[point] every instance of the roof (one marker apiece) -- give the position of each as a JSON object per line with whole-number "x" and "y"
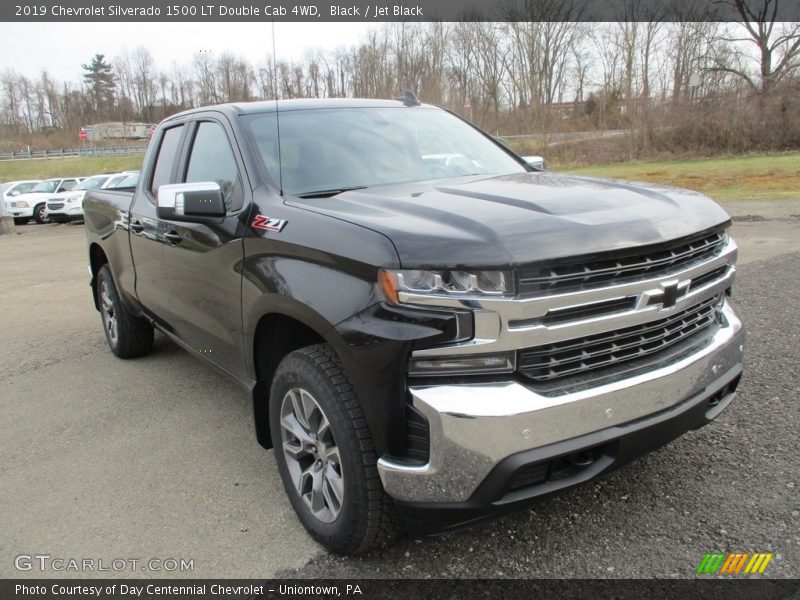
{"x": 265, "y": 106}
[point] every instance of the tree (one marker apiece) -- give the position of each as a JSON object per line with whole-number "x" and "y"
{"x": 99, "y": 80}
{"x": 777, "y": 46}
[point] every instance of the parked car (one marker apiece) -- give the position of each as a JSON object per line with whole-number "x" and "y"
{"x": 68, "y": 206}
{"x": 129, "y": 181}
{"x": 426, "y": 341}
{"x": 116, "y": 178}
{"x": 34, "y": 203}
{"x": 12, "y": 189}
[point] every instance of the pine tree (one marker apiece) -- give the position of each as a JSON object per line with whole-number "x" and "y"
{"x": 99, "y": 80}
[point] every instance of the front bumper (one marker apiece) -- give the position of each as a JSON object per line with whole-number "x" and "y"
{"x": 478, "y": 430}
{"x": 65, "y": 212}
{"x": 64, "y": 217}
{"x": 18, "y": 213}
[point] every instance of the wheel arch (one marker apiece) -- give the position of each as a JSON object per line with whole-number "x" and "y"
{"x": 97, "y": 258}
{"x": 276, "y": 335}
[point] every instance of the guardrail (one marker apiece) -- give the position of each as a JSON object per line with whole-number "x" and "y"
{"x": 73, "y": 152}
{"x": 568, "y": 136}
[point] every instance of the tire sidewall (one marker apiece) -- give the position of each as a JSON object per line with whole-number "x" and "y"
{"x": 38, "y": 214}
{"x": 299, "y": 371}
{"x": 104, "y": 274}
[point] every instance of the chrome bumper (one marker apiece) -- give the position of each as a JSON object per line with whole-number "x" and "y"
{"x": 473, "y": 427}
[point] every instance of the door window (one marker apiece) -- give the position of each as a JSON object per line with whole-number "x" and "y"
{"x": 212, "y": 160}
{"x": 167, "y": 155}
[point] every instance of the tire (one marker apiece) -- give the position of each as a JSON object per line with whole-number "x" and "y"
{"x": 38, "y": 214}
{"x": 20, "y": 220}
{"x": 311, "y": 383}
{"x": 128, "y": 336}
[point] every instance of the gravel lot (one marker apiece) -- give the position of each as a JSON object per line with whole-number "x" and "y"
{"x": 156, "y": 458}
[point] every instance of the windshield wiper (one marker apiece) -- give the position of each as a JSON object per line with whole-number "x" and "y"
{"x": 329, "y": 193}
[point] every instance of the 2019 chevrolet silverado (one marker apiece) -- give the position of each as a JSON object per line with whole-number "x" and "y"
{"x": 431, "y": 329}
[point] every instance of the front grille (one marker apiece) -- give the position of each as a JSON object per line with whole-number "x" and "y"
{"x": 619, "y": 267}
{"x": 594, "y": 355}
{"x": 55, "y": 205}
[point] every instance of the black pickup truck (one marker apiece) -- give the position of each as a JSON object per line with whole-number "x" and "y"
{"x": 431, "y": 329}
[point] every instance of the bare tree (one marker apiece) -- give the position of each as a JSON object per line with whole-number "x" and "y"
{"x": 772, "y": 47}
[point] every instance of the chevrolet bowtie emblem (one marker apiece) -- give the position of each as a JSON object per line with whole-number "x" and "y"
{"x": 668, "y": 295}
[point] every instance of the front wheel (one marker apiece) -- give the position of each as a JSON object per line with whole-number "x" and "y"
{"x": 128, "y": 336}
{"x": 39, "y": 214}
{"x": 325, "y": 454}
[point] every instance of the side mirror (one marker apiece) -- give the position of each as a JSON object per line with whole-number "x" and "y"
{"x": 537, "y": 162}
{"x": 14, "y": 193}
{"x": 190, "y": 202}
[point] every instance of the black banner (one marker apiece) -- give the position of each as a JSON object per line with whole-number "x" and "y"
{"x": 412, "y": 589}
{"x": 396, "y": 10}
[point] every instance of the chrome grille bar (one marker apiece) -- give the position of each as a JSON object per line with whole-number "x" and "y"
{"x": 577, "y": 275}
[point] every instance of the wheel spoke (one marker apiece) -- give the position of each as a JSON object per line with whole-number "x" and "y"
{"x": 310, "y": 408}
{"x": 294, "y": 450}
{"x": 311, "y": 455}
{"x": 295, "y": 428}
{"x": 298, "y": 408}
{"x": 317, "y": 498}
{"x": 302, "y": 482}
{"x": 324, "y": 428}
{"x": 335, "y": 487}
{"x": 333, "y": 456}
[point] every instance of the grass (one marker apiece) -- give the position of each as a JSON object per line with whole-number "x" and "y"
{"x": 751, "y": 177}
{"x": 12, "y": 170}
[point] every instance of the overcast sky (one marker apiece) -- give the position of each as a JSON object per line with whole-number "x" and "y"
{"x": 60, "y": 48}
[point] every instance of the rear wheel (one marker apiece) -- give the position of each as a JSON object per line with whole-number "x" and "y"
{"x": 325, "y": 454}
{"x": 39, "y": 213}
{"x": 128, "y": 336}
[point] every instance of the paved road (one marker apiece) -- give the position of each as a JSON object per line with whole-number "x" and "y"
{"x": 156, "y": 458}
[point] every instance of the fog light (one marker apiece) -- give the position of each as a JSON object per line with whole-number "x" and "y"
{"x": 462, "y": 365}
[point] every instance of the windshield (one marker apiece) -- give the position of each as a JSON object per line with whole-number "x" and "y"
{"x": 330, "y": 149}
{"x": 46, "y": 186}
{"x": 22, "y": 188}
{"x": 129, "y": 181}
{"x": 91, "y": 184}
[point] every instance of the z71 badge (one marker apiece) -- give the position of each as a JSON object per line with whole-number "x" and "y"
{"x": 269, "y": 224}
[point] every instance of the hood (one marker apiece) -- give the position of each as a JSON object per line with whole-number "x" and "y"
{"x": 34, "y": 197}
{"x": 504, "y": 221}
{"x": 70, "y": 194}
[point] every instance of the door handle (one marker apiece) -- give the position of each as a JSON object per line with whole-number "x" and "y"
{"x": 173, "y": 237}
{"x": 136, "y": 226}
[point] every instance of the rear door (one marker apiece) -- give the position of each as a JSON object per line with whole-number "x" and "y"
{"x": 202, "y": 261}
{"x": 147, "y": 232}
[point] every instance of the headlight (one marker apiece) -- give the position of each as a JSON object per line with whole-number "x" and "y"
{"x": 72, "y": 198}
{"x": 461, "y": 283}
{"x": 22, "y": 204}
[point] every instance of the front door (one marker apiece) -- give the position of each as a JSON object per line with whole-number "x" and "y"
{"x": 202, "y": 261}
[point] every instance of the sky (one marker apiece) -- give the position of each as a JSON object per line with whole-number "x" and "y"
{"x": 60, "y": 48}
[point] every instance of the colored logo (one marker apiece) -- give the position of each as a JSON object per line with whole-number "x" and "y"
{"x": 734, "y": 563}
{"x": 268, "y": 223}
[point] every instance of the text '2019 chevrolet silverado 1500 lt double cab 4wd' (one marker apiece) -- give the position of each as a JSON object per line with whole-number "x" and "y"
{"x": 432, "y": 331}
